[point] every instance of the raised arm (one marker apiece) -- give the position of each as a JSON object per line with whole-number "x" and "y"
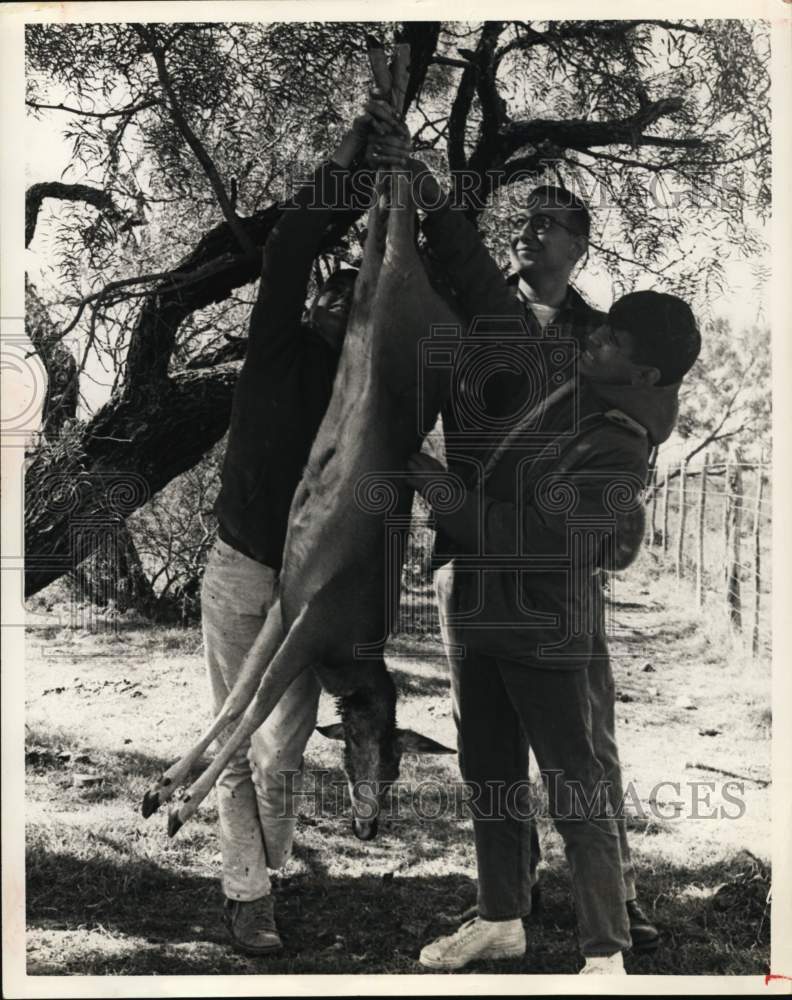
{"x": 293, "y": 243}
{"x": 455, "y": 242}
{"x": 475, "y": 276}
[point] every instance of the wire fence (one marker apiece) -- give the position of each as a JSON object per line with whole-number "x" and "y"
{"x": 711, "y": 525}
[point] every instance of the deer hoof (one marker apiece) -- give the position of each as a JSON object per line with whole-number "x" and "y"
{"x": 175, "y": 823}
{"x": 364, "y": 829}
{"x": 151, "y": 803}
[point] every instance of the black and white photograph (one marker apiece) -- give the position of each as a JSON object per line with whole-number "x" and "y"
{"x": 393, "y": 445}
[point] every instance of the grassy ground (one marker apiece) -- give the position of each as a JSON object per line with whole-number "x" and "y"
{"x": 109, "y": 893}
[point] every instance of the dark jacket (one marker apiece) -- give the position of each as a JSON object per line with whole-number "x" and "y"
{"x": 528, "y": 537}
{"x": 285, "y": 384}
{"x": 528, "y": 544}
{"x": 498, "y": 323}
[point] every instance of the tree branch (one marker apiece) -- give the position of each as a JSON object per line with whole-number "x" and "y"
{"x": 448, "y": 61}
{"x": 207, "y": 275}
{"x": 457, "y": 119}
{"x": 36, "y": 194}
{"x": 591, "y": 29}
{"x": 479, "y": 79}
{"x": 581, "y": 134}
{"x": 131, "y": 110}
{"x": 422, "y": 37}
{"x": 192, "y": 140}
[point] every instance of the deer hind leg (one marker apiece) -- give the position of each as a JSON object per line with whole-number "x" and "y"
{"x": 296, "y": 652}
{"x": 373, "y": 252}
{"x": 239, "y": 697}
{"x": 400, "y": 246}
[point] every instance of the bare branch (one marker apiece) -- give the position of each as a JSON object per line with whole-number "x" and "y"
{"x": 36, "y": 194}
{"x": 422, "y": 37}
{"x": 457, "y": 119}
{"x": 479, "y": 79}
{"x": 192, "y": 140}
{"x": 131, "y": 110}
{"x": 581, "y": 134}
{"x": 448, "y": 61}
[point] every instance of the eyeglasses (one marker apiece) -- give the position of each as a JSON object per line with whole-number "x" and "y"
{"x": 541, "y": 223}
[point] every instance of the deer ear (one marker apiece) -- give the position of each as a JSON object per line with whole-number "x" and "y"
{"x": 335, "y": 731}
{"x": 411, "y": 742}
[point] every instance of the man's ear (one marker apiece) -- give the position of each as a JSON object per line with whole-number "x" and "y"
{"x": 335, "y": 731}
{"x": 646, "y": 376}
{"x": 411, "y": 742}
{"x": 580, "y": 246}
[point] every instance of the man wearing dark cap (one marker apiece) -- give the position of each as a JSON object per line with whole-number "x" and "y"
{"x": 531, "y": 639}
{"x": 549, "y": 239}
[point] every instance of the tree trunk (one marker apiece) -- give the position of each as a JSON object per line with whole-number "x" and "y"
{"x": 130, "y": 450}
{"x": 61, "y": 397}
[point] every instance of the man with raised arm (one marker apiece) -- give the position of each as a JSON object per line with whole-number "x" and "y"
{"x": 282, "y": 394}
{"x": 549, "y": 238}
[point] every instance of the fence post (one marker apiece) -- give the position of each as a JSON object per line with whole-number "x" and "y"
{"x": 701, "y": 517}
{"x": 733, "y": 597}
{"x": 757, "y": 547}
{"x": 653, "y": 515}
{"x": 665, "y": 510}
{"x": 726, "y": 512}
{"x": 682, "y": 513}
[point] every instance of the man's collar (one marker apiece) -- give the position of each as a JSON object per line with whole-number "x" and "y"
{"x": 572, "y": 299}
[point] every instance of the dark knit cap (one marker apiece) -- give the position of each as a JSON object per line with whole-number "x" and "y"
{"x": 664, "y": 331}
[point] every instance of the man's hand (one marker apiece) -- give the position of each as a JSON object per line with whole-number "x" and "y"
{"x": 423, "y": 472}
{"x": 389, "y": 143}
{"x": 354, "y": 141}
{"x": 377, "y": 119}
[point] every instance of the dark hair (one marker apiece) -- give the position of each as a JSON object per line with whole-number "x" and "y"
{"x": 341, "y": 277}
{"x": 550, "y": 196}
{"x": 664, "y": 330}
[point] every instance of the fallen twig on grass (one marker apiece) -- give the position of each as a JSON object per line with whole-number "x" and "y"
{"x": 730, "y": 774}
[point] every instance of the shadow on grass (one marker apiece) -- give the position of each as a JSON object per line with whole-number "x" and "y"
{"x": 409, "y": 682}
{"x": 61, "y": 750}
{"x": 152, "y": 921}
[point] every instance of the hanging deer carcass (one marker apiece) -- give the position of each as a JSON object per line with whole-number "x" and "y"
{"x": 340, "y": 578}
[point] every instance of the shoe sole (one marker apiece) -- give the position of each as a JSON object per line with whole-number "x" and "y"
{"x": 439, "y": 964}
{"x": 253, "y": 952}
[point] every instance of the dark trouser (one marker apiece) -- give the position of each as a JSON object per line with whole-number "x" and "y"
{"x": 602, "y": 693}
{"x": 501, "y": 708}
{"x": 497, "y": 704}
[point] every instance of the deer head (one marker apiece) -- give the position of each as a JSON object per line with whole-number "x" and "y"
{"x": 373, "y": 746}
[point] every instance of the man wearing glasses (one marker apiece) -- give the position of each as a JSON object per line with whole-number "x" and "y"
{"x": 547, "y": 243}
{"x": 548, "y": 240}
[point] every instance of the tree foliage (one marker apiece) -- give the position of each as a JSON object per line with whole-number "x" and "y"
{"x": 727, "y": 400}
{"x": 184, "y": 137}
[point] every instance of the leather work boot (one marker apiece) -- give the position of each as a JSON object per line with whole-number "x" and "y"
{"x": 645, "y": 936}
{"x": 604, "y": 965}
{"x": 252, "y": 926}
{"x": 476, "y": 940}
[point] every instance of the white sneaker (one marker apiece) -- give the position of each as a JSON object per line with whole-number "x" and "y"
{"x": 604, "y": 965}
{"x": 476, "y": 939}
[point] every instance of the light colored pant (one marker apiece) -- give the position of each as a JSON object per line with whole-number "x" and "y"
{"x": 255, "y": 793}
